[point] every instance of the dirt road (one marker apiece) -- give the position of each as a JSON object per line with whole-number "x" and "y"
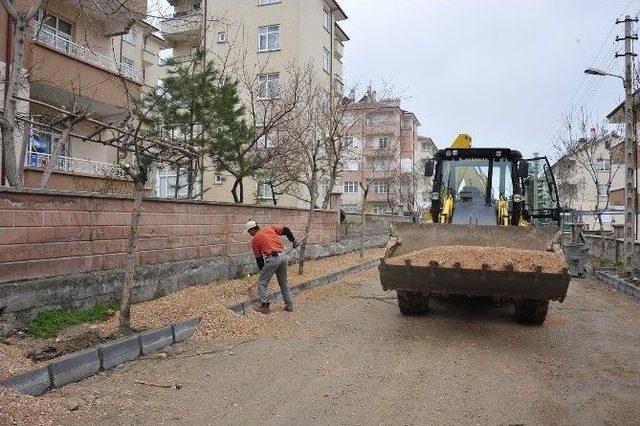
{"x": 350, "y": 358}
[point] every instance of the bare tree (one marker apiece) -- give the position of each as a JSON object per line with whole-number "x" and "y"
{"x": 584, "y": 149}
{"x": 20, "y": 21}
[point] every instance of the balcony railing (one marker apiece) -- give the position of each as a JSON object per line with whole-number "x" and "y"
{"x": 76, "y": 165}
{"x": 60, "y": 44}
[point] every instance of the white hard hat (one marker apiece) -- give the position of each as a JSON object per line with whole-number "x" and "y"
{"x": 251, "y": 224}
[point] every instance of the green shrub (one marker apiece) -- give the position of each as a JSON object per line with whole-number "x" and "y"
{"x": 49, "y": 323}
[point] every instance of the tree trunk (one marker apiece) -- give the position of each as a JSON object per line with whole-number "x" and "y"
{"x": 131, "y": 260}
{"x": 303, "y": 245}
{"x": 238, "y": 191}
{"x": 56, "y": 149}
{"x": 8, "y": 121}
{"x": 363, "y": 221}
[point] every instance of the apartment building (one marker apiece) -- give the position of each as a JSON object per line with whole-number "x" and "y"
{"x": 261, "y": 37}
{"x": 576, "y": 173}
{"x": 387, "y": 156}
{"x": 76, "y": 54}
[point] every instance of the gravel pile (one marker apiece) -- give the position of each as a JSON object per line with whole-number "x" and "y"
{"x": 474, "y": 257}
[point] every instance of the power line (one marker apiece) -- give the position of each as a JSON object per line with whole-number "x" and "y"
{"x": 584, "y": 96}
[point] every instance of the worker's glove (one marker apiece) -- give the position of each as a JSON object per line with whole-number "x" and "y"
{"x": 295, "y": 244}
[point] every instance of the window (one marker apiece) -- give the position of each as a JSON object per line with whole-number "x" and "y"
{"x": 325, "y": 19}
{"x": 406, "y": 165}
{"x": 381, "y": 143}
{"x": 54, "y": 31}
{"x": 380, "y": 187}
{"x": 351, "y": 187}
{"x": 352, "y": 142}
{"x": 130, "y": 37}
{"x": 407, "y": 124}
{"x": 351, "y": 165}
{"x": 269, "y": 86}
{"x": 264, "y": 191}
{"x": 326, "y": 59}
{"x": 603, "y": 190}
{"x": 217, "y": 178}
{"x": 222, "y": 37}
{"x": 128, "y": 67}
{"x": 265, "y": 2}
{"x": 269, "y": 38}
{"x": 380, "y": 165}
{"x": 425, "y": 146}
{"x": 266, "y": 142}
{"x": 381, "y": 119}
{"x": 603, "y": 164}
{"x": 166, "y": 184}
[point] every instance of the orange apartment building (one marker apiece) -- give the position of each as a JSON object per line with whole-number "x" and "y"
{"x": 96, "y": 56}
{"x": 386, "y": 157}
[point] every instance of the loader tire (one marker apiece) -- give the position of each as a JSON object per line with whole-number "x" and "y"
{"x": 531, "y": 311}
{"x": 412, "y": 302}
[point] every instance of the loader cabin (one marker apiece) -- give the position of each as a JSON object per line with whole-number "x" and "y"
{"x": 491, "y": 186}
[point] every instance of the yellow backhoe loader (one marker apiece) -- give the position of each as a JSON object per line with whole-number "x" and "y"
{"x": 481, "y": 197}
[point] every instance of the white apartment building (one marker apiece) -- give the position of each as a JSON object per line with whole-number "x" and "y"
{"x": 579, "y": 192}
{"x": 262, "y": 38}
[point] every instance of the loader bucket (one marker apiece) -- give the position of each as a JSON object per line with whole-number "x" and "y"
{"x": 504, "y": 283}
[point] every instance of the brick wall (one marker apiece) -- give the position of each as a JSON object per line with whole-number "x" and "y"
{"x": 46, "y": 233}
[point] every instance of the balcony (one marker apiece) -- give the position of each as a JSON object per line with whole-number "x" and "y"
{"x": 45, "y": 37}
{"x": 182, "y": 27}
{"x": 79, "y": 166}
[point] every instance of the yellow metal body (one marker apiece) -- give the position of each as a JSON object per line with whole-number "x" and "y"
{"x": 462, "y": 141}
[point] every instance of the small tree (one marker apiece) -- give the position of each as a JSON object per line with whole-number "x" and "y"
{"x": 583, "y": 148}
{"x": 268, "y": 106}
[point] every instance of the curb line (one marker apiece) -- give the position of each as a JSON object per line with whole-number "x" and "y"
{"x": 617, "y": 283}
{"x": 241, "y": 308}
{"x": 82, "y": 364}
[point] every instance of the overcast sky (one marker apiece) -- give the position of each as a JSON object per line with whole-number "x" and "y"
{"x": 503, "y": 71}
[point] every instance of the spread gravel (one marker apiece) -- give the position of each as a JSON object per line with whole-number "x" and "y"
{"x": 472, "y": 257}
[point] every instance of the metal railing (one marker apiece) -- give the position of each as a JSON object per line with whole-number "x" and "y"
{"x": 61, "y": 44}
{"x": 76, "y": 165}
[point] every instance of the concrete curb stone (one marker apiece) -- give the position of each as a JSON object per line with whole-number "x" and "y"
{"x": 83, "y": 364}
{"x": 75, "y": 367}
{"x": 119, "y": 351}
{"x": 34, "y": 382}
{"x": 184, "y": 329}
{"x": 618, "y": 283}
{"x": 156, "y": 339}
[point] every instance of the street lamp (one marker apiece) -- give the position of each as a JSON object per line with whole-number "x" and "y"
{"x": 631, "y": 175}
{"x": 600, "y": 73}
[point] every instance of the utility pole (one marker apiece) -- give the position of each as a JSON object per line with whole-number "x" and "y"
{"x": 630, "y": 191}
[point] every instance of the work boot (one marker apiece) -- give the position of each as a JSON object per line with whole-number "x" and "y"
{"x": 288, "y": 307}
{"x": 262, "y": 308}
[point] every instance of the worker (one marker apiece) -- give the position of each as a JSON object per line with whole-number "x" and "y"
{"x": 271, "y": 259}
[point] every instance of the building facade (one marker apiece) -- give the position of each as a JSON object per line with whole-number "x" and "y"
{"x": 261, "y": 40}
{"x": 386, "y": 161}
{"x": 88, "y": 58}
{"x": 588, "y": 179}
